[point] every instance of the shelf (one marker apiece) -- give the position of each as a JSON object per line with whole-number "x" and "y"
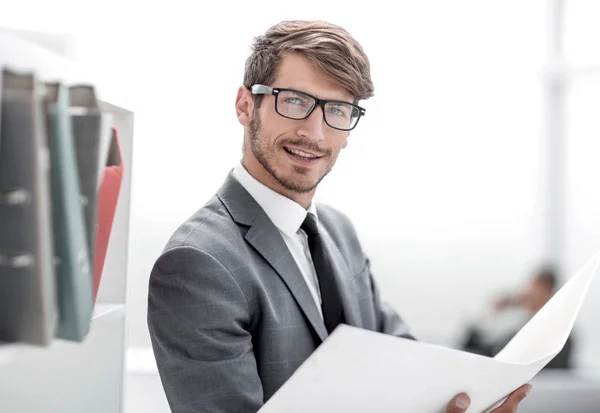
{"x": 108, "y": 311}
{"x": 102, "y": 313}
{"x": 9, "y": 352}
{"x": 69, "y": 376}
{"x": 19, "y": 54}
{"x": 141, "y": 361}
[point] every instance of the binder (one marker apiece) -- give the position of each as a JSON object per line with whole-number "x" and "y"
{"x": 91, "y": 130}
{"x": 108, "y": 197}
{"x": 1, "y": 89}
{"x": 74, "y": 276}
{"x": 28, "y": 308}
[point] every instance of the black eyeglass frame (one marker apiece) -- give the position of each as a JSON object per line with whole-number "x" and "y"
{"x": 267, "y": 90}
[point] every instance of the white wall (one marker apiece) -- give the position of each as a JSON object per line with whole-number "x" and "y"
{"x": 583, "y": 199}
{"x": 442, "y": 177}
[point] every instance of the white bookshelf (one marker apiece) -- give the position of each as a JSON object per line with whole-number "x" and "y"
{"x": 68, "y": 376}
{"x": 102, "y": 313}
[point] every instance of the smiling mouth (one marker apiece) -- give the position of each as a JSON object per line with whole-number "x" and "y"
{"x": 302, "y": 154}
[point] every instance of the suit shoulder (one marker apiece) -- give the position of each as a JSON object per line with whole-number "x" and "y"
{"x": 209, "y": 229}
{"x": 333, "y": 218}
{"x": 344, "y": 235}
{"x": 338, "y": 224}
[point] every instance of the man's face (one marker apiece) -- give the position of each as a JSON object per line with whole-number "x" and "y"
{"x": 537, "y": 294}
{"x": 273, "y": 138}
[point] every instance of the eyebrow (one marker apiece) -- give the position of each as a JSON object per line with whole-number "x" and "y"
{"x": 311, "y": 94}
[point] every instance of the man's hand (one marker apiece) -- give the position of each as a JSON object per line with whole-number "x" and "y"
{"x": 461, "y": 402}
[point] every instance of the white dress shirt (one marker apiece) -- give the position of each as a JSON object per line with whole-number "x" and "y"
{"x": 288, "y": 216}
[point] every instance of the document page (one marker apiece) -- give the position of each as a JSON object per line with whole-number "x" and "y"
{"x": 357, "y": 371}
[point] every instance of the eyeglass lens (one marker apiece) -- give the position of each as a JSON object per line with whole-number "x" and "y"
{"x": 296, "y": 105}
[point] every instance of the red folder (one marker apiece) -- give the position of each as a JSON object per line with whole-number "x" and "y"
{"x": 108, "y": 195}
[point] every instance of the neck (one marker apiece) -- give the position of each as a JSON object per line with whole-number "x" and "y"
{"x": 263, "y": 176}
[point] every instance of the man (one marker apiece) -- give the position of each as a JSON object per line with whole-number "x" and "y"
{"x": 492, "y": 330}
{"x": 251, "y": 284}
{"x": 535, "y": 295}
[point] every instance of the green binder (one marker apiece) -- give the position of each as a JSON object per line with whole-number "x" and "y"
{"x": 74, "y": 278}
{"x": 91, "y": 133}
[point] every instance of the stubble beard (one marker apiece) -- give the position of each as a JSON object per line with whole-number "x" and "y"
{"x": 264, "y": 154}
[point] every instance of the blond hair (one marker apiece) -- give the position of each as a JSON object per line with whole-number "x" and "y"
{"x": 330, "y": 48}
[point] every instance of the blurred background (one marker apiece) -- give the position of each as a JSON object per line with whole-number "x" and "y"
{"x": 477, "y": 162}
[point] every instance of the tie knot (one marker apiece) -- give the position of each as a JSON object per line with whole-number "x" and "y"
{"x": 310, "y": 225}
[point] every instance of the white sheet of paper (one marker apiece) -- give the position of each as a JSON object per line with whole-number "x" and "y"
{"x": 357, "y": 371}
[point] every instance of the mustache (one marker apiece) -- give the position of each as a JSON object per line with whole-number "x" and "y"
{"x": 307, "y": 145}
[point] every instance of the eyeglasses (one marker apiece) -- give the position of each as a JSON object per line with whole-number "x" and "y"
{"x": 293, "y": 104}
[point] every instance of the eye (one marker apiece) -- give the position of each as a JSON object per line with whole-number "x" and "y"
{"x": 340, "y": 111}
{"x": 295, "y": 101}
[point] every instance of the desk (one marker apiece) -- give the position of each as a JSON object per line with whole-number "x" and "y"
{"x": 564, "y": 392}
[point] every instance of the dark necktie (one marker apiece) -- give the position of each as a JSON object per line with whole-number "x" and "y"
{"x": 333, "y": 312}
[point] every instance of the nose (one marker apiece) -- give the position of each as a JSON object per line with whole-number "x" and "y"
{"x": 314, "y": 126}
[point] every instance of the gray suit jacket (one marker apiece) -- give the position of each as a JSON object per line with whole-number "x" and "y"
{"x": 230, "y": 315}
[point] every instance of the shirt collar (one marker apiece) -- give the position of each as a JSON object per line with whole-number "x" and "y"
{"x": 287, "y": 215}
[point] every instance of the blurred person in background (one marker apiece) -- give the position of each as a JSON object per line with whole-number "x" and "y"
{"x": 508, "y": 313}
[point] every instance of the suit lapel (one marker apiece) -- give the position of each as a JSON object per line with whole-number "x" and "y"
{"x": 266, "y": 239}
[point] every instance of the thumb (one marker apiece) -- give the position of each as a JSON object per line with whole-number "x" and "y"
{"x": 459, "y": 404}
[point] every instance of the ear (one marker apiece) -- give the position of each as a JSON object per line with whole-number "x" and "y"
{"x": 244, "y": 105}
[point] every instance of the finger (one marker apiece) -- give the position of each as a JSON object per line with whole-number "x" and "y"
{"x": 513, "y": 400}
{"x": 459, "y": 404}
